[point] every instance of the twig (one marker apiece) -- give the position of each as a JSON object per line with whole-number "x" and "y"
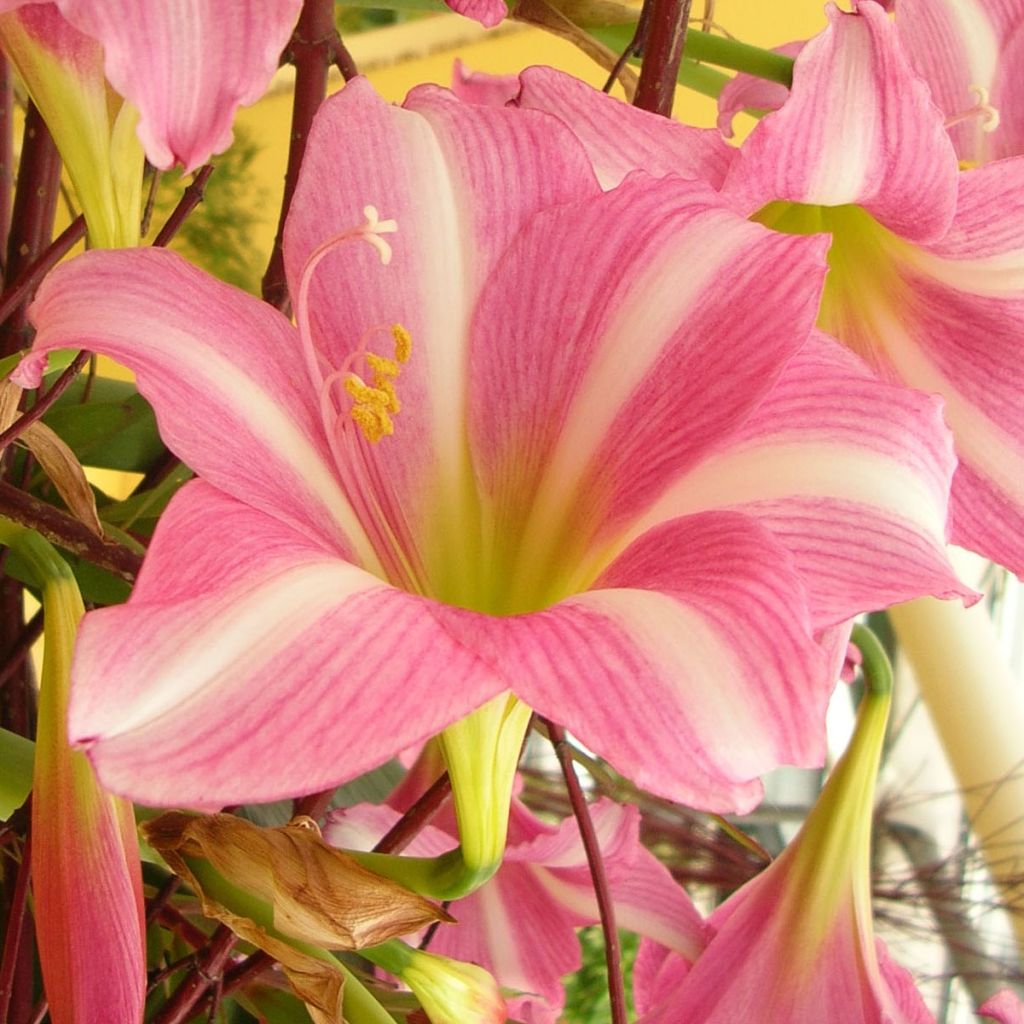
{"x": 314, "y": 46}
{"x": 147, "y": 210}
{"x": 416, "y": 818}
{"x": 633, "y": 47}
{"x": 15, "y": 930}
{"x": 238, "y": 976}
{"x": 663, "y": 53}
{"x": 6, "y": 148}
{"x": 160, "y": 900}
{"x": 190, "y": 199}
{"x": 44, "y": 402}
{"x": 16, "y": 294}
{"x": 612, "y": 952}
{"x": 314, "y": 805}
{"x": 209, "y": 966}
{"x": 68, "y": 532}
{"x": 22, "y": 645}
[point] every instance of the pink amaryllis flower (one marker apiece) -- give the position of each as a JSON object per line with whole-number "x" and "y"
{"x": 608, "y": 469}
{"x": 521, "y": 925}
{"x": 187, "y": 65}
{"x": 796, "y": 943}
{"x": 1004, "y": 1007}
{"x": 925, "y": 280}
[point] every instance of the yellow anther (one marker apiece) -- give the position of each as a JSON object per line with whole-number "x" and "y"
{"x": 403, "y": 343}
{"x": 385, "y": 387}
{"x": 968, "y": 165}
{"x": 382, "y": 367}
{"x": 373, "y": 421}
{"x": 363, "y": 394}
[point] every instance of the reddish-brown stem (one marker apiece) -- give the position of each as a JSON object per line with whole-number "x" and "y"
{"x": 20, "y": 290}
{"x": 35, "y": 203}
{"x": 174, "y": 920}
{"x": 210, "y": 964}
{"x": 190, "y": 199}
{"x": 663, "y": 53}
{"x": 343, "y": 61}
{"x": 416, "y": 818}
{"x": 160, "y": 900}
{"x": 313, "y": 48}
{"x": 60, "y": 385}
{"x": 67, "y": 532}
{"x": 22, "y": 645}
{"x": 6, "y": 148}
{"x": 16, "y": 931}
{"x": 314, "y": 805}
{"x": 612, "y": 951}
{"x": 238, "y": 976}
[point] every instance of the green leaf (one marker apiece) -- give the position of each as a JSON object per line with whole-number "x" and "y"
{"x": 140, "y": 511}
{"x": 17, "y": 755}
{"x": 107, "y": 423}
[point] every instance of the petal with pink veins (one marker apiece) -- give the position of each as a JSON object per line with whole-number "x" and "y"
{"x": 1004, "y": 1007}
{"x": 246, "y": 645}
{"x": 187, "y": 65}
{"x": 859, "y": 127}
{"x": 857, "y": 497}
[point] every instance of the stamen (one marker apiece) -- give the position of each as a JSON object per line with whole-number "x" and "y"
{"x": 982, "y": 109}
{"x": 373, "y": 406}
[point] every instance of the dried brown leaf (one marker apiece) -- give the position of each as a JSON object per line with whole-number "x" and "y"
{"x": 63, "y": 468}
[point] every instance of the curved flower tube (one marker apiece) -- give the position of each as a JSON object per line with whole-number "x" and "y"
{"x": 925, "y": 277}
{"x": 529, "y": 484}
{"x": 158, "y": 57}
{"x": 522, "y": 924}
{"x": 86, "y": 880}
{"x": 795, "y": 944}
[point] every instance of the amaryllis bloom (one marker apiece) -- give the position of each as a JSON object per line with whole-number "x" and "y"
{"x": 926, "y": 280}
{"x": 795, "y": 944}
{"x": 186, "y": 65}
{"x": 526, "y": 436}
{"x": 522, "y": 924}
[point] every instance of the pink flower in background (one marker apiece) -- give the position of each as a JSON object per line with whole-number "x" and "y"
{"x": 187, "y": 65}
{"x": 926, "y": 279}
{"x": 796, "y": 943}
{"x": 623, "y": 480}
{"x": 522, "y": 924}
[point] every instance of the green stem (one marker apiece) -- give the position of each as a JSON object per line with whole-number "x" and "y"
{"x": 876, "y": 668}
{"x": 446, "y": 877}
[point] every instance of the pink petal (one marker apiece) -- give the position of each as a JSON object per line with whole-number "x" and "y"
{"x": 958, "y": 47}
{"x": 187, "y": 65}
{"x": 488, "y": 12}
{"x": 860, "y": 128}
{"x": 745, "y": 92}
{"x": 362, "y": 151}
{"x": 269, "y": 669}
{"x": 577, "y": 427}
{"x": 620, "y": 138}
{"x": 849, "y": 473}
{"x": 948, "y": 318}
{"x": 690, "y": 668}
{"x": 657, "y": 973}
{"x": 1005, "y": 1007}
{"x": 483, "y": 88}
{"x": 221, "y": 369}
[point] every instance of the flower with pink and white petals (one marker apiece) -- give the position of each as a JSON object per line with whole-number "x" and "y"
{"x": 796, "y": 943}
{"x": 522, "y": 924}
{"x": 926, "y": 280}
{"x": 186, "y": 65}
{"x": 387, "y": 534}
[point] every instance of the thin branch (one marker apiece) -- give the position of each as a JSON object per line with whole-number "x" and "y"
{"x": 22, "y": 645}
{"x": 68, "y": 532}
{"x": 190, "y": 199}
{"x": 314, "y": 46}
{"x": 612, "y": 951}
{"x": 44, "y": 402}
{"x": 35, "y": 204}
{"x": 209, "y": 966}
{"x": 663, "y": 53}
{"x": 633, "y": 47}
{"x": 416, "y": 818}
{"x": 20, "y": 290}
{"x": 15, "y": 930}
{"x": 160, "y": 900}
{"x": 237, "y": 977}
{"x": 313, "y": 805}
